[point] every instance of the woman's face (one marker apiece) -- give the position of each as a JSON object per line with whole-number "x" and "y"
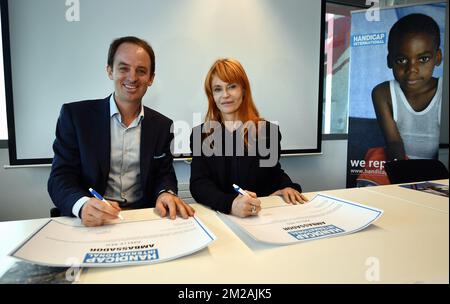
{"x": 228, "y": 97}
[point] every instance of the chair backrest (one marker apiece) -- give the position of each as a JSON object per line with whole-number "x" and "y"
{"x": 415, "y": 170}
{"x": 55, "y": 212}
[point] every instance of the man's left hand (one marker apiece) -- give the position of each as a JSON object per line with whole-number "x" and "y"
{"x": 168, "y": 203}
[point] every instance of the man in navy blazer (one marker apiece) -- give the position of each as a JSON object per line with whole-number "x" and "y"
{"x": 116, "y": 146}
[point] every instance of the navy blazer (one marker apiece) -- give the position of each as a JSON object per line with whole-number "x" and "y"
{"x": 212, "y": 176}
{"x": 82, "y": 151}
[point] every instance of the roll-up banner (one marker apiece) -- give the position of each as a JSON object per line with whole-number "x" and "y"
{"x": 395, "y": 90}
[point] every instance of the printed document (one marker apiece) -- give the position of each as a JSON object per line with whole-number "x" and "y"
{"x": 429, "y": 187}
{"x": 60, "y": 243}
{"x": 324, "y": 216}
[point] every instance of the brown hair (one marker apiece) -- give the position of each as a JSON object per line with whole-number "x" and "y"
{"x": 134, "y": 40}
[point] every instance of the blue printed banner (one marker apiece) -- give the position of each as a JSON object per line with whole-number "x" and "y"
{"x": 395, "y": 91}
{"x": 368, "y": 39}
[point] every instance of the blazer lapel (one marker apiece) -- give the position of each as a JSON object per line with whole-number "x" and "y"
{"x": 103, "y": 134}
{"x": 149, "y": 131}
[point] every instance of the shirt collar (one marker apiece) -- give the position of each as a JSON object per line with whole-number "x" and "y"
{"x": 113, "y": 110}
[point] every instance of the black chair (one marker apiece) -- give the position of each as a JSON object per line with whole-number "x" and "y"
{"x": 365, "y": 134}
{"x": 415, "y": 170}
{"x": 55, "y": 212}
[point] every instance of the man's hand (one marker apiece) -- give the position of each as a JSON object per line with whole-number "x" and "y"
{"x": 170, "y": 204}
{"x": 291, "y": 196}
{"x": 95, "y": 212}
{"x": 246, "y": 205}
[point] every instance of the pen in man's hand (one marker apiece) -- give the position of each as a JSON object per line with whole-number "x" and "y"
{"x": 99, "y": 197}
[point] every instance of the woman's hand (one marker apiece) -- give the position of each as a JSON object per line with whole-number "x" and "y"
{"x": 246, "y": 205}
{"x": 291, "y": 196}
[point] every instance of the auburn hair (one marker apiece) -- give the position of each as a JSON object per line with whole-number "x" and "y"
{"x": 230, "y": 71}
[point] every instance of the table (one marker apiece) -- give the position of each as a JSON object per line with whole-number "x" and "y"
{"x": 414, "y": 197}
{"x": 408, "y": 244}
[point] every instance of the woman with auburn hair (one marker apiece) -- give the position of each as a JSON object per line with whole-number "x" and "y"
{"x": 236, "y": 146}
{"x": 230, "y": 71}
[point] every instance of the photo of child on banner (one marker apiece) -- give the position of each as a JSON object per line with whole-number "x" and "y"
{"x": 397, "y": 117}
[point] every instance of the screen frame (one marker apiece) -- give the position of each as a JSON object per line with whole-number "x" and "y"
{"x": 15, "y": 161}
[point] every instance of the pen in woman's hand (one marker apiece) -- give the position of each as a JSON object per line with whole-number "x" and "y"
{"x": 239, "y": 190}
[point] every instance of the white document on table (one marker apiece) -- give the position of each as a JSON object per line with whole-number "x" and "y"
{"x": 324, "y": 216}
{"x": 59, "y": 243}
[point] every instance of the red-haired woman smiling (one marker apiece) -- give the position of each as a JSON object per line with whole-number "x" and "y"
{"x": 236, "y": 146}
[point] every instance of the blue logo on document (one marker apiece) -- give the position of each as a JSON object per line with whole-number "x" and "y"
{"x": 368, "y": 39}
{"x": 316, "y": 232}
{"x": 121, "y": 257}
